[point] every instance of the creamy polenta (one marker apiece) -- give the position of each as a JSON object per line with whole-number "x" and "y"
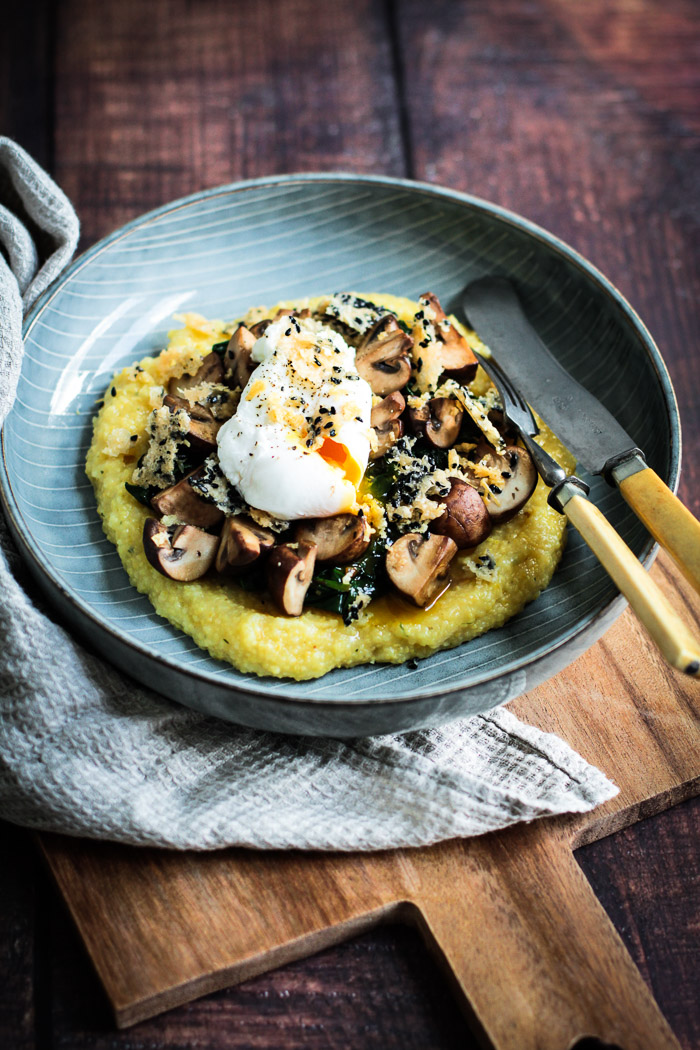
{"x": 489, "y": 584}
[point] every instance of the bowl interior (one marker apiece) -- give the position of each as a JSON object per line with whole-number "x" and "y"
{"x": 225, "y": 250}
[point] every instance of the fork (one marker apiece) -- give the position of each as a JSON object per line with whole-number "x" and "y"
{"x": 569, "y": 496}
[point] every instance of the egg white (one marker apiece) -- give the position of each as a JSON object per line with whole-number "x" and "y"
{"x": 299, "y": 442}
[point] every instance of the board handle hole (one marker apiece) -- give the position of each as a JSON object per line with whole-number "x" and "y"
{"x": 591, "y": 1042}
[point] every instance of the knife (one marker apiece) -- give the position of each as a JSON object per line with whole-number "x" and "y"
{"x": 579, "y": 420}
{"x": 569, "y": 495}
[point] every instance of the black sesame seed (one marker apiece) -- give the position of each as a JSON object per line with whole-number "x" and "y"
{"x": 114, "y": 392}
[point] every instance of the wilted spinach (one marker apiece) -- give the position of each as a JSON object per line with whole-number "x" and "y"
{"x": 365, "y": 579}
{"x": 143, "y": 493}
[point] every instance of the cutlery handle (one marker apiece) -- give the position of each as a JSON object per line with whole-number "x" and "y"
{"x": 670, "y": 523}
{"x": 664, "y": 625}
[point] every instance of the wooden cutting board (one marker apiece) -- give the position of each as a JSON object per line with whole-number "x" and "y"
{"x": 531, "y": 953}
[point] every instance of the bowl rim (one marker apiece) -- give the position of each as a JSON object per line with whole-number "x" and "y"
{"x": 554, "y": 243}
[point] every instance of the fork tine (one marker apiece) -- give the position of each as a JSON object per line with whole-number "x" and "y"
{"x": 514, "y": 405}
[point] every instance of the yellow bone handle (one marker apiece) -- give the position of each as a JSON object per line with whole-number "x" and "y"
{"x": 670, "y": 523}
{"x": 668, "y": 631}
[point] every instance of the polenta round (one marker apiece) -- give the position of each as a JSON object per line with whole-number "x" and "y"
{"x": 490, "y": 584}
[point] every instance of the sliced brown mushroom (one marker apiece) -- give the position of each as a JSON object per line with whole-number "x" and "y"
{"x": 338, "y": 540}
{"x": 465, "y": 518}
{"x": 289, "y": 312}
{"x": 203, "y": 427}
{"x": 418, "y": 566}
{"x": 387, "y": 426}
{"x": 519, "y": 482}
{"x": 290, "y": 569}
{"x": 242, "y": 543}
{"x": 438, "y": 421}
{"x": 211, "y": 370}
{"x": 456, "y": 356}
{"x": 382, "y": 356}
{"x": 260, "y": 327}
{"x": 502, "y": 425}
{"x": 184, "y": 553}
{"x": 182, "y": 501}
{"x": 239, "y": 366}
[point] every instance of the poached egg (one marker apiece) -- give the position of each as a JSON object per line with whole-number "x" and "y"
{"x": 299, "y": 442}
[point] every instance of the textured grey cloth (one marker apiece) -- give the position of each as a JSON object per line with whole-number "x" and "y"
{"x": 86, "y": 752}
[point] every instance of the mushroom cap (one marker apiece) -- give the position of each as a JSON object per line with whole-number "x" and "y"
{"x": 388, "y": 410}
{"x": 519, "y": 482}
{"x": 211, "y": 370}
{"x": 239, "y": 365}
{"x": 290, "y": 569}
{"x": 182, "y": 501}
{"x": 260, "y": 327}
{"x": 465, "y": 518}
{"x": 242, "y": 543}
{"x": 338, "y": 540}
{"x": 387, "y": 426}
{"x": 182, "y": 554}
{"x": 418, "y": 566}
{"x": 382, "y": 356}
{"x": 438, "y": 421}
{"x": 386, "y": 435}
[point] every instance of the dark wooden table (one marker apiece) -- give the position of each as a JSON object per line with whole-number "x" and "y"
{"x": 583, "y": 115}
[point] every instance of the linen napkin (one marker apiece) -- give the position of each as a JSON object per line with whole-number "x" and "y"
{"x": 86, "y": 751}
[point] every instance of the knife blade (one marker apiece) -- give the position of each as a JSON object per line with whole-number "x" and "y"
{"x": 599, "y": 442}
{"x": 595, "y": 437}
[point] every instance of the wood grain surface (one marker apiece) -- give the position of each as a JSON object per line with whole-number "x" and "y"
{"x": 511, "y": 917}
{"x": 581, "y": 114}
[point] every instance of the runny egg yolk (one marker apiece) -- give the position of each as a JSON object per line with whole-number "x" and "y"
{"x": 298, "y": 444}
{"x": 339, "y": 455}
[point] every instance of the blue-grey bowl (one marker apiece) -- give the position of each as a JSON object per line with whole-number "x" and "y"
{"x": 255, "y": 242}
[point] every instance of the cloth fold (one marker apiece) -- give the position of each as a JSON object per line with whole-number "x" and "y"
{"x": 85, "y": 751}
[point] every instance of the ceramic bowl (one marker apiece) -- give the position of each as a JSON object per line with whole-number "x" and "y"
{"x": 221, "y": 251}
